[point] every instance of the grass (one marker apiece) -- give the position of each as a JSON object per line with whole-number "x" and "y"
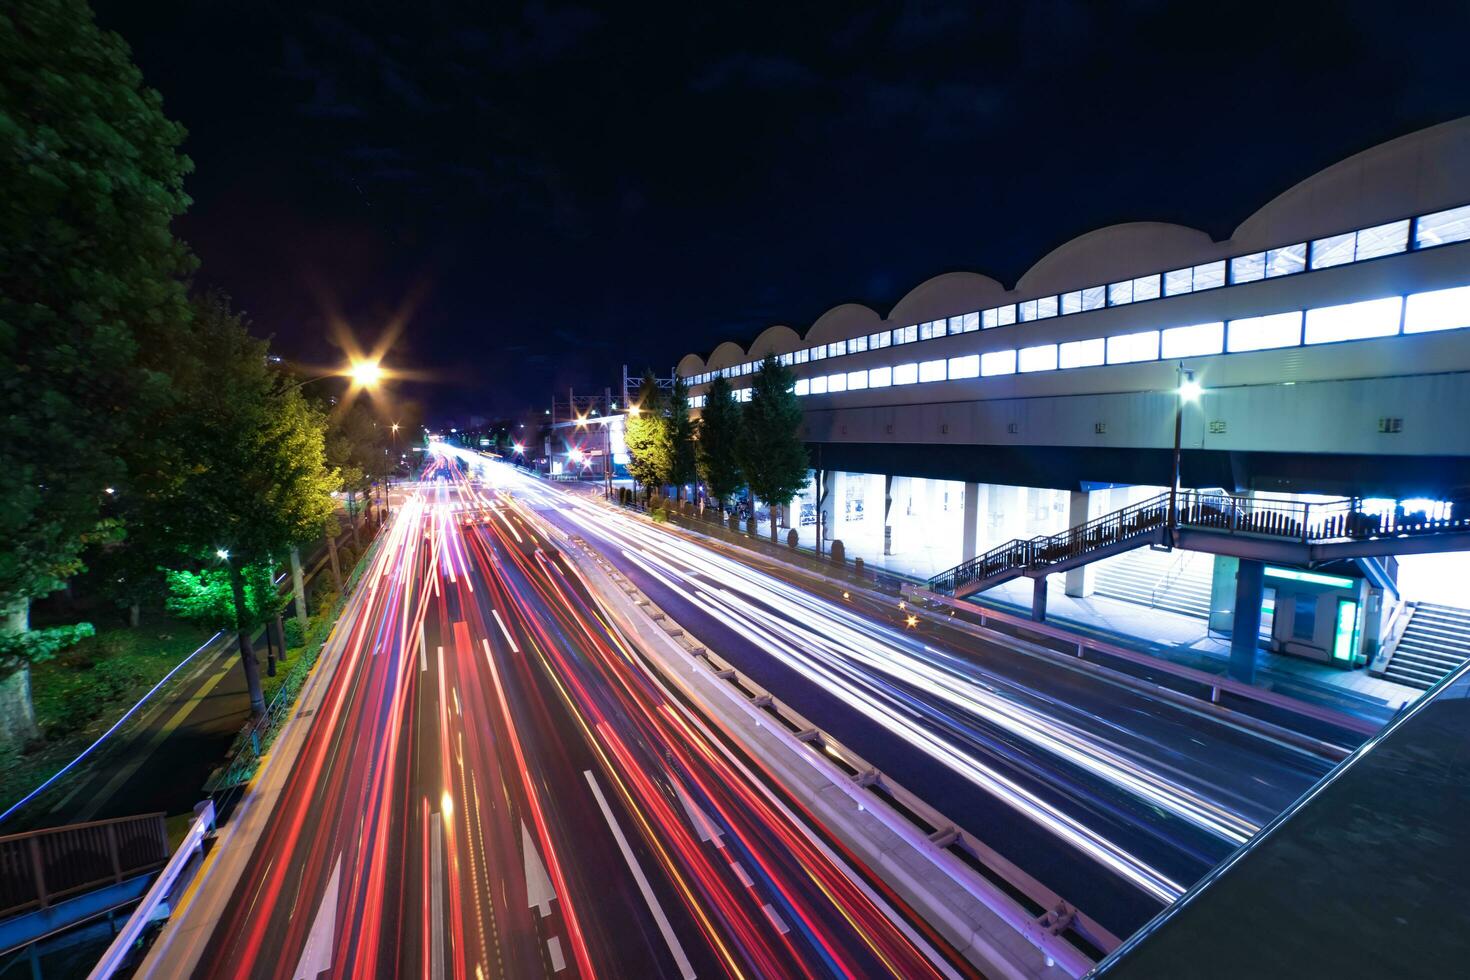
{"x": 87, "y": 687}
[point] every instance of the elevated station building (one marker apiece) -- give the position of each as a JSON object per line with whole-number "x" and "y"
{"x": 1328, "y": 335}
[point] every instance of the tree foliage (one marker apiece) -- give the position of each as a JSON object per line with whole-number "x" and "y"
{"x": 255, "y": 481}
{"x": 679, "y": 439}
{"x": 772, "y": 454}
{"x": 719, "y": 441}
{"x": 207, "y": 596}
{"x": 91, "y": 291}
{"x": 645, "y": 435}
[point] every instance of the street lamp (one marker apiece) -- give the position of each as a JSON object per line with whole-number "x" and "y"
{"x": 366, "y": 374}
{"x": 1187, "y": 390}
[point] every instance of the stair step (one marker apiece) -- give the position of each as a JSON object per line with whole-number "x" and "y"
{"x": 1408, "y": 681}
{"x": 1428, "y": 658}
{"x": 1413, "y": 673}
{"x": 1448, "y": 631}
{"x": 1411, "y": 642}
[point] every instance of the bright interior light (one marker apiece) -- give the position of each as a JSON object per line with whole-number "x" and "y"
{"x": 366, "y": 373}
{"x": 1190, "y": 390}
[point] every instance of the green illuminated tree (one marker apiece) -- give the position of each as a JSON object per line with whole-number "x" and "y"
{"x": 679, "y": 439}
{"x": 91, "y": 296}
{"x": 645, "y": 435}
{"x": 772, "y": 455}
{"x": 719, "y": 442}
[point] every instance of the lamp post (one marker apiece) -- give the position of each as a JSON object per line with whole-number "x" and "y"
{"x": 1186, "y": 390}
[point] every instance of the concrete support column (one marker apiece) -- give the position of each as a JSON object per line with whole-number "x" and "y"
{"x": 1080, "y": 580}
{"x": 887, "y": 515}
{"x": 827, "y": 505}
{"x": 1038, "y": 599}
{"x": 1222, "y": 593}
{"x": 1250, "y": 586}
{"x": 971, "y": 518}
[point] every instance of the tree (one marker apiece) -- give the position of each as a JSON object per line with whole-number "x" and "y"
{"x": 255, "y": 480}
{"x": 90, "y": 294}
{"x": 772, "y": 454}
{"x": 354, "y": 447}
{"x": 644, "y": 435}
{"x": 679, "y": 439}
{"x": 719, "y": 440}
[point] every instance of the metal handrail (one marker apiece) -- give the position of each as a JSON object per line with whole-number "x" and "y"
{"x": 122, "y": 944}
{"x": 1309, "y": 523}
{"x": 39, "y": 867}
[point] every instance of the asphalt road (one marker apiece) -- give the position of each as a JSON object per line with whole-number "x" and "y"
{"x": 1115, "y": 800}
{"x": 495, "y": 784}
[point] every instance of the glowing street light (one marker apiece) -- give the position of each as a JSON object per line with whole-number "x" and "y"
{"x": 1191, "y": 389}
{"x": 223, "y": 554}
{"x": 575, "y": 455}
{"x": 520, "y": 448}
{"x": 366, "y": 374}
{"x": 634, "y": 411}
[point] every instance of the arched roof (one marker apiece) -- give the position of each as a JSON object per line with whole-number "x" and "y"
{"x": 774, "y": 340}
{"x": 690, "y": 365}
{"x": 1116, "y": 252}
{"x": 842, "y": 322}
{"x": 945, "y": 295}
{"x": 1414, "y": 174}
{"x": 725, "y": 355}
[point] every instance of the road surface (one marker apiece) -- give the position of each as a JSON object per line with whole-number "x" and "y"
{"x": 1115, "y": 800}
{"x": 495, "y": 785}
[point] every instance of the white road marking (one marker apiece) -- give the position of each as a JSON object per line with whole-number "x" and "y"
{"x": 436, "y": 898}
{"x": 703, "y": 825}
{"x": 501, "y": 622}
{"x": 539, "y": 891}
{"x": 553, "y": 949}
{"x": 776, "y": 919}
{"x": 316, "y": 958}
{"x": 736, "y": 867}
{"x": 686, "y": 969}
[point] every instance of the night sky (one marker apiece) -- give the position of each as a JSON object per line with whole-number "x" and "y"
{"x": 551, "y": 190}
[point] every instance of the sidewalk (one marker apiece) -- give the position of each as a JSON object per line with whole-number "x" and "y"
{"x": 1185, "y": 640}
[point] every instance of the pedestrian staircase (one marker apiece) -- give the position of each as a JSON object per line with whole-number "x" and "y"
{"x": 1177, "y": 581}
{"x": 1261, "y": 529}
{"x": 1435, "y": 642}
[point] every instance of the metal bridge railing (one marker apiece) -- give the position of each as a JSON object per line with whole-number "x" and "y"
{"x": 42, "y": 867}
{"x": 1346, "y": 519}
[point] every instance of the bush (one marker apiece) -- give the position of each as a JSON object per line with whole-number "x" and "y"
{"x": 294, "y": 635}
{"x": 346, "y": 558}
{"x": 659, "y": 516}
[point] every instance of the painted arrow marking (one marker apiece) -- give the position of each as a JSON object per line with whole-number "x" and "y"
{"x": 703, "y": 825}
{"x": 316, "y": 958}
{"x": 539, "y": 892}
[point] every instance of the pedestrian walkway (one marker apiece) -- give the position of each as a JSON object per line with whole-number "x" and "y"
{"x": 1186, "y": 640}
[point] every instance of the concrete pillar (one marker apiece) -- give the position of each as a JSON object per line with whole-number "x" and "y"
{"x": 1079, "y": 579}
{"x": 887, "y": 515}
{"x": 1222, "y": 594}
{"x": 1250, "y": 586}
{"x": 1038, "y": 599}
{"x": 971, "y": 520}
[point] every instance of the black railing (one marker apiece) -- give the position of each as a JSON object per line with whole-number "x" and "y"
{"x": 1347, "y": 519}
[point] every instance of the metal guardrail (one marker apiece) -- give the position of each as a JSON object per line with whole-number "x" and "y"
{"x": 42, "y": 867}
{"x": 162, "y": 890}
{"x": 1346, "y": 519}
{"x": 1057, "y": 928}
{"x": 1216, "y": 683}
